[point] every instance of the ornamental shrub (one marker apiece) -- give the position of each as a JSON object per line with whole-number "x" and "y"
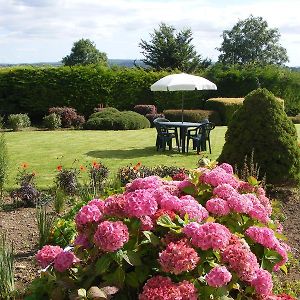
{"x": 200, "y": 238}
{"x": 52, "y": 121}
{"x": 193, "y": 115}
{"x": 18, "y": 121}
{"x": 295, "y": 119}
{"x": 262, "y": 126}
{"x": 152, "y": 117}
{"x": 113, "y": 119}
{"x": 68, "y": 115}
{"x": 145, "y": 109}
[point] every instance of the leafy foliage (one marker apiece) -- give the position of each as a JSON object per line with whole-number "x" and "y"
{"x": 251, "y": 41}
{"x": 52, "y": 121}
{"x": 84, "y": 52}
{"x": 18, "y": 121}
{"x": 261, "y": 125}
{"x": 112, "y": 119}
{"x": 170, "y": 50}
{"x": 144, "y": 109}
{"x": 68, "y": 116}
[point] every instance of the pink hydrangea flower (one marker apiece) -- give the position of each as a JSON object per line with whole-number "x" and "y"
{"x": 178, "y": 257}
{"x": 146, "y": 223}
{"x": 160, "y": 288}
{"x": 258, "y": 211}
{"x": 140, "y": 203}
{"x": 191, "y": 207}
{"x": 111, "y": 236}
{"x": 217, "y": 206}
{"x": 246, "y": 187}
{"x": 187, "y": 290}
{"x": 64, "y": 260}
{"x": 87, "y": 214}
{"x": 218, "y": 276}
{"x": 47, "y": 254}
{"x": 225, "y": 191}
{"x": 150, "y": 182}
{"x": 165, "y": 200}
{"x": 115, "y": 206}
{"x": 186, "y": 184}
{"x": 171, "y": 187}
{"x": 262, "y": 283}
{"x": 240, "y": 204}
{"x": 99, "y": 203}
{"x": 219, "y": 176}
{"x": 266, "y": 237}
{"x": 208, "y": 236}
{"x": 227, "y": 167}
{"x": 240, "y": 259}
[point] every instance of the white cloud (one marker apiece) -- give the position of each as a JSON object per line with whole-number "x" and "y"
{"x": 44, "y": 30}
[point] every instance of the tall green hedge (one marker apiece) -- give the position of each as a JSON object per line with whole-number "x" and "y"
{"x": 33, "y": 90}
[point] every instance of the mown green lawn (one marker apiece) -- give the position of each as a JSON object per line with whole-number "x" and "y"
{"x": 44, "y": 150}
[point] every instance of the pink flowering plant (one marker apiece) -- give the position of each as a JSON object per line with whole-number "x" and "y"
{"x": 208, "y": 236}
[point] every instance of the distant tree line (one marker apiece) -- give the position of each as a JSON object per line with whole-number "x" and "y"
{"x": 249, "y": 42}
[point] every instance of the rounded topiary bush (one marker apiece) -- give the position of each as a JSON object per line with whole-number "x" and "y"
{"x": 262, "y": 126}
{"x": 113, "y": 119}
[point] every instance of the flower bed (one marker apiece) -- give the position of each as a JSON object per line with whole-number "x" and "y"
{"x": 207, "y": 237}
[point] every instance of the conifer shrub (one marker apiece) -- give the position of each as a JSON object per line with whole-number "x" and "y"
{"x": 262, "y": 126}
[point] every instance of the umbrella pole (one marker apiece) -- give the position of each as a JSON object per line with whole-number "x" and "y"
{"x": 181, "y": 107}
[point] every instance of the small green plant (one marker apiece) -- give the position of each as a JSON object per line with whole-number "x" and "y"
{"x": 18, "y": 121}
{"x": 52, "y": 121}
{"x": 7, "y": 284}
{"x": 3, "y": 163}
{"x": 59, "y": 200}
{"x": 45, "y": 222}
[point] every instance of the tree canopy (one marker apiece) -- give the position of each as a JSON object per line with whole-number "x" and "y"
{"x": 252, "y": 41}
{"x": 84, "y": 52}
{"x": 169, "y": 49}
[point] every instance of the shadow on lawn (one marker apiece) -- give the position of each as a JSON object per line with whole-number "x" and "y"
{"x": 129, "y": 153}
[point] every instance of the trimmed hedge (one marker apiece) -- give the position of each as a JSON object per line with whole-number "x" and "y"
{"x": 192, "y": 115}
{"x": 295, "y": 119}
{"x": 112, "y": 119}
{"x": 33, "y": 90}
{"x": 145, "y": 109}
{"x": 226, "y": 107}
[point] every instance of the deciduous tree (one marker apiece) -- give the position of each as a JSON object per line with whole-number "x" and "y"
{"x": 252, "y": 41}
{"x": 84, "y": 52}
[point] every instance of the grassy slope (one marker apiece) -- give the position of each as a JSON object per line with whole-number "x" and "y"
{"x": 43, "y": 150}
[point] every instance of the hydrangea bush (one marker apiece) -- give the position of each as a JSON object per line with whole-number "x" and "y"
{"x": 208, "y": 236}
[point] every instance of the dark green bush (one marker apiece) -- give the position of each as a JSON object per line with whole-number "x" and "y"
{"x": 224, "y": 106}
{"x": 192, "y": 115}
{"x": 112, "y": 119}
{"x": 18, "y": 121}
{"x": 262, "y": 126}
{"x": 52, "y": 121}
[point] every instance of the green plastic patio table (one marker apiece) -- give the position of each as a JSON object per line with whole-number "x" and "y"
{"x": 183, "y": 126}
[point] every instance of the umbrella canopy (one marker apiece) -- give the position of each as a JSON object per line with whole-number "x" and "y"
{"x": 182, "y": 82}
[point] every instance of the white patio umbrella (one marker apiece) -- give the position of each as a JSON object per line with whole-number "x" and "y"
{"x": 182, "y": 82}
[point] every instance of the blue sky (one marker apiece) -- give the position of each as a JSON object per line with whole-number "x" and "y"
{"x": 44, "y": 30}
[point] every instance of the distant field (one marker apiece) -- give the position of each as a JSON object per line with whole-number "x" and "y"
{"x": 44, "y": 150}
